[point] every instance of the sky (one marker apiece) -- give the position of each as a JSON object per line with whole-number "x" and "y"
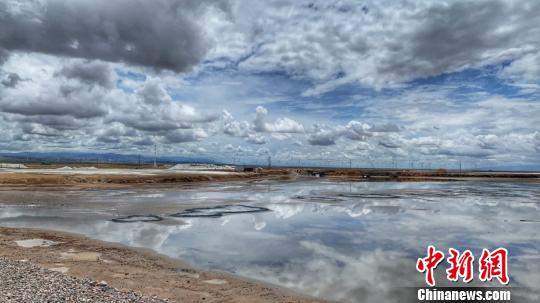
{"x": 407, "y": 83}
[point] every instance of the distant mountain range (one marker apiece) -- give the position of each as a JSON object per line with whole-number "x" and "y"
{"x": 514, "y": 167}
{"x": 84, "y": 157}
{"x": 71, "y": 157}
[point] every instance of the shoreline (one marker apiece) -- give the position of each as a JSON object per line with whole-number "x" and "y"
{"x": 102, "y": 181}
{"x": 129, "y": 178}
{"x": 140, "y": 270}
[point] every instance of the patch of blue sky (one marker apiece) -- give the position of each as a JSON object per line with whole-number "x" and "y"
{"x": 140, "y": 77}
{"x": 121, "y": 85}
{"x": 245, "y": 90}
{"x": 129, "y": 75}
{"x": 470, "y": 82}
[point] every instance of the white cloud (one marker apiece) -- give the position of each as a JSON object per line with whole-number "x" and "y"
{"x": 281, "y": 125}
{"x": 375, "y": 43}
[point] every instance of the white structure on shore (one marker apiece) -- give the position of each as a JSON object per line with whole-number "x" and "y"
{"x": 12, "y": 165}
{"x": 202, "y": 167}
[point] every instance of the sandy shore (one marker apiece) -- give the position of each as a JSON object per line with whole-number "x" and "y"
{"x": 98, "y": 180}
{"x": 126, "y": 269}
{"x": 83, "y": 178}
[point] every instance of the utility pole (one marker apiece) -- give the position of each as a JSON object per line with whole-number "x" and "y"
{"x": 155, "y": 155}
{"x": 269, "y": 161}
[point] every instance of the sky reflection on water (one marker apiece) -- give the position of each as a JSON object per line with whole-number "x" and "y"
{"x": 354, "y": 242}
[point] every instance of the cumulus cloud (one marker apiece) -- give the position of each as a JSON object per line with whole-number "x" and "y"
{"x": 152, "y": 109}
{"x": 90, "y": 73}
{"x": 11, "y": 80}
{"x": 181, "y": 136}
{"x": 256, "y": 139}
{"x": 235, "y": 128}
{"x": 162, "y": 34}
{"x": 354, "y": 130}
{"x": 380, "y": 43}
{"x": 83, "y": 104}
{"x": 281, "y": 125}
{"x": 282, "y": 128}
{"x": 241, "y": 129}
{"x": 357, "y": 131}
{"x": 77, "y": 102}
{"x": 113, "y": 133}
{"x": 325, "y": 136}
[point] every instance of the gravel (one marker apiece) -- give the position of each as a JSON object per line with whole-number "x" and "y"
{"x": 24, "y": 282}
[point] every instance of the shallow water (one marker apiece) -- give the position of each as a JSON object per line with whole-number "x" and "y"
{"x": 352, "y": 242}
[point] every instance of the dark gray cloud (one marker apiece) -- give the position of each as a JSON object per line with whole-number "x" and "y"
{"x": 90, "y": 73}
{"x": 39, "y": 130}
{"x": 471, "y": 152}
{"x": 385, "y": 128}
{"x": 162, "y": 34}
{"x": 321, "y": 140}
{"x": 144, "y": 142}
{"x": 109, "y": 140}
{"x": 3, "y": 52}
{"x": 462, "y": 34}
{"x": 140, "y": 122}
{"x": 324, "y": 137}
{"x": 389, "y": 144}
{"x": 11, "y": 80}
{"x": 181, "y": 136}
{"x": 61, "y": 123}
{"x": 79, "y": 106}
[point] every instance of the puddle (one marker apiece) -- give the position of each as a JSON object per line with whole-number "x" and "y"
{"x": 82, "y": 256}
{"x": 187, "y": 272}
{"x": 138, "y": 218}
{"x": 215, "y": 282}
{"x": 35, "y": 243}
{"x": 62, "y": 270}
{"x": 219, "y": 211}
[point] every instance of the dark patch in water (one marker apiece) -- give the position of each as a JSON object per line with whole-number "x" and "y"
{"x": 219, "y": 211}
{"x": 529, "y": 221}
{"x": 138, "y": 218}
{"x": 369, "y": 195}
{"x": 318, "y": 198}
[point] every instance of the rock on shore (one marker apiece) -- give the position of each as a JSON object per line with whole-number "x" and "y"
{"x": 26, "y": 282}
